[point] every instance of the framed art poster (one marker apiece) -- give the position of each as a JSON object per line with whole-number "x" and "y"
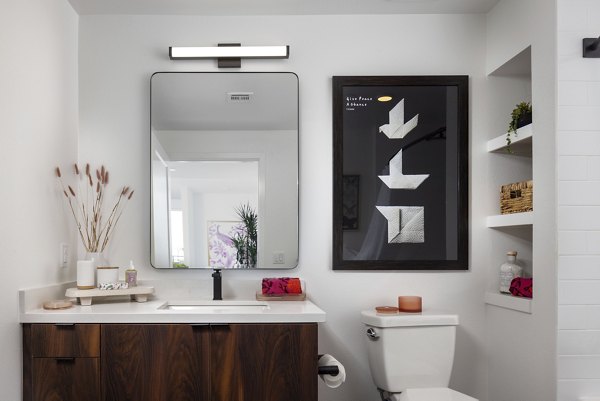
{"x": 407, "y": 139}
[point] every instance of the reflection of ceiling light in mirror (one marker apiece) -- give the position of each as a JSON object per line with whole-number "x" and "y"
{"x": 384, "y": 98}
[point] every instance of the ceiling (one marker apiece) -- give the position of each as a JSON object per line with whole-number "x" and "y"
{"x": 281, "y": 7}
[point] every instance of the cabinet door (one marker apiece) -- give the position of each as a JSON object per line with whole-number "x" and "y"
{"x": 153, "y": 362}
{"x": 66, "y": 379}
{"x": 264, "y": 362}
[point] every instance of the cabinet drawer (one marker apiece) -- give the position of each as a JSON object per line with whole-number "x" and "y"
{"x": 68, "y": 379}
{"x": 67, "y": 341}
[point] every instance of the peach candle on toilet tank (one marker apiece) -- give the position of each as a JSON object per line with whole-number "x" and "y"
{"x": 409, "y": 303}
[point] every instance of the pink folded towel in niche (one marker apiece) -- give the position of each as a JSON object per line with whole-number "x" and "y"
{"x": 281, "y": 285}
{"x": 522, "y": 287}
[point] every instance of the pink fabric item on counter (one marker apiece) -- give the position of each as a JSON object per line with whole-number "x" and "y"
{"x": 281, "y": 285}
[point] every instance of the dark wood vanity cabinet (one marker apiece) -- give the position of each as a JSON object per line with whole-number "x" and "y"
{"x": 263, "y": 362}
{"x": 61, "y": 362}
{"x": 172, "y": 362}
{"x": 155, "y": 362}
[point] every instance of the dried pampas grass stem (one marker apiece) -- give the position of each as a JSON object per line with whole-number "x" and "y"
{"x": 95, "y": 229}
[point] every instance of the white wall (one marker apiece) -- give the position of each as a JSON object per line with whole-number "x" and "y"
{"x": 522, "y": 347}
{"x": 578, "y": 203}
{"x": 38, "y": 110}
{"x": 118, "y": 54}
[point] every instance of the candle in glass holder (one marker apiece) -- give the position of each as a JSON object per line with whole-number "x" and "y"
{"x": 412, "y": 304}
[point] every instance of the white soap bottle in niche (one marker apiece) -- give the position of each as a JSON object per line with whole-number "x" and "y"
{"x": 509, "y": 270}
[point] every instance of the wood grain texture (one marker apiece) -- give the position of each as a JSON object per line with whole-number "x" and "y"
{"x": 66, "y": 341}
{"x": 153, "y": 362}
{"x": 27, "y": 364}
{"x": 75, "y": 379}
{"x": 264, "y": 362}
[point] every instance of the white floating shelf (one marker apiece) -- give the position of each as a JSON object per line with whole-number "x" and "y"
{"x": 521, "y": 142}
{"x": 508, "y": 302}
{"x": 510, "y": 220}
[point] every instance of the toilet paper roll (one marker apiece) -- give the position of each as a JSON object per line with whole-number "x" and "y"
{"x": 332, "y": 381}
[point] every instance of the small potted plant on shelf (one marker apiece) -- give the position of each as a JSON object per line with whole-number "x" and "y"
{"x": 519, "y": 117}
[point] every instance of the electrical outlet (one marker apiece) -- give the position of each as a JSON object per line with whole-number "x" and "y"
{"x": 278, "y": 258}
{"x": 64, "y": 255}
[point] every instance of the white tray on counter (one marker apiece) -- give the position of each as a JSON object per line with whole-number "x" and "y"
{"x": 138, "y": 294}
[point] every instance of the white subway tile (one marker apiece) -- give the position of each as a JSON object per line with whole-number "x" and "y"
{"x": 572, "y": 16}
{"x": 593, "y": 90}
{"x": 593, "y": 167}
{"x": 572, "y": 390}
{"x": 569, "y": 45}
{"x": 579, "y": 367}
{"x": 579, "y": 267}
{"x": 573, "y": 67}
{"x": 593, "y": 15}
{"x": 579, "y": 317}
{"x": 572, "y": 93}
{"x": 578, "y": 342}
{"x": 578, "y": 218}
{"x": 579, "y": 292}
{"x": 593, "y": 242}
{"x": 578, "y": 143}
{"x": 572, "y": 168}
{"x": 579, "y": 193}
{"x": 571, "y": 242}
{"x": 571, "y": 317}
{"x": 579, "y": 118}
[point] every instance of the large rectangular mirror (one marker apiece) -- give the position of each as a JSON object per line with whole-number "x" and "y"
{"x": 224, "y": 170}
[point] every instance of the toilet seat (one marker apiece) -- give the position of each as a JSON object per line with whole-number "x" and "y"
{"x": 431, "y": 394}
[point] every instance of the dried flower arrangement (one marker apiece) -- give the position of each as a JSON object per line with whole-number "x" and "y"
{"x": 87, "y": 206}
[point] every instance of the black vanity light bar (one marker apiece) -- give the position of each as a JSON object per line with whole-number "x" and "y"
{"x": 193, "y": 53}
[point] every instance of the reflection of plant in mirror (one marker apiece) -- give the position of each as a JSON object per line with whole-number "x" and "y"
{"x": 246, "y": 242}
{"x": 180, "y": 265}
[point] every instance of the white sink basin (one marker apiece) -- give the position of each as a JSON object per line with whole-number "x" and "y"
{"x": 215, "y": 306}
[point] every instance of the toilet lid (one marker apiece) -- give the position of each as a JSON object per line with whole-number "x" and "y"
{"x": 431, "y": 394}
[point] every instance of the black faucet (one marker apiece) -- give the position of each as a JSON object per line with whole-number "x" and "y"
{"x": 217, "y": 285}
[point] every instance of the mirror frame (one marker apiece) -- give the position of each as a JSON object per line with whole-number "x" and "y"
{"x": 297, "y": 261}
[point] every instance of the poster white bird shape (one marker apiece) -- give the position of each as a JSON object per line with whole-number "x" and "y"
{"x": 397, "y": 129}
{"x": 397, "y": 180}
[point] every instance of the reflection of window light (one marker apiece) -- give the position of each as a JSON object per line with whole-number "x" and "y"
{"x": 177, "y": 251}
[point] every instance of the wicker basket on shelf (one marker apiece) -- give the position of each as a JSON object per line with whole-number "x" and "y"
{"x": 516, "y": 197}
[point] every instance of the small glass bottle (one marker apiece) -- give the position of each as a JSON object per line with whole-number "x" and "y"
{"x": 508, "y": 271}
{"x": 131, "y": 275}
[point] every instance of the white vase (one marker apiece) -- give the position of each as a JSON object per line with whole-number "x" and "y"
{"x": 98, "y": 259}
{"x": 85, "y": 274}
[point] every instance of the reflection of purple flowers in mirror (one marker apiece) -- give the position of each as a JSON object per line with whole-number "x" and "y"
{"x": 221, "y": 250}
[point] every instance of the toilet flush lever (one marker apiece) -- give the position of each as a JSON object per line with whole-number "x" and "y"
{"x": 372, "y": 334}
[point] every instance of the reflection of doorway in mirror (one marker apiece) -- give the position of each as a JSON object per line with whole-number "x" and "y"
{"x": 177, "y": 251}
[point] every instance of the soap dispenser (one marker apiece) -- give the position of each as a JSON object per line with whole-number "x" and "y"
{"x": 131, "y": 275}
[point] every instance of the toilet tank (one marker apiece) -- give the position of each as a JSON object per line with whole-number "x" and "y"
{"x": 410, "y": 350}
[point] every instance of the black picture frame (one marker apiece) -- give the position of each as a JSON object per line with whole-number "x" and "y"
{"x": 413, "y": 167}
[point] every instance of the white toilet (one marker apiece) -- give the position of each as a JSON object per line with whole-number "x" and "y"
{"x": 411, "y": 355}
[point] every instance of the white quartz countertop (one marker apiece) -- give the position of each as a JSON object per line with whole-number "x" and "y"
{"x": 154, "y": 311}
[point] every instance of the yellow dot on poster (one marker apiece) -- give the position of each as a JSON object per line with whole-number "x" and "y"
{"x": 384, "y": 98}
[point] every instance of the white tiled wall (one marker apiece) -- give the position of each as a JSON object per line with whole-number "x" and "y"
{"x": 578, "y": 202}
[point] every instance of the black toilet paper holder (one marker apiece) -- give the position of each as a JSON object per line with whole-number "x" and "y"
{"x": 328, "y": 369}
